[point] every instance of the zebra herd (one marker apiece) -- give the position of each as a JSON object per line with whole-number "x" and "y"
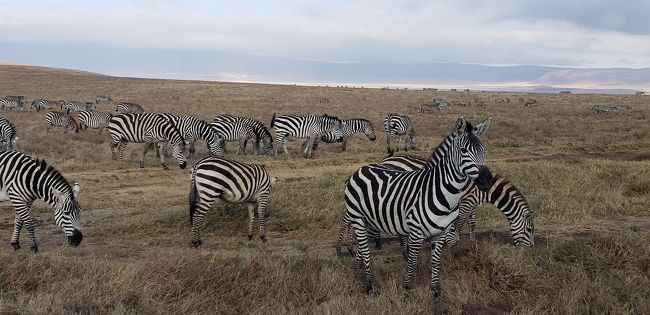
{"x": 414, "y": 198}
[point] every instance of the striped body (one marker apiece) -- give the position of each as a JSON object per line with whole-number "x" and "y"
{"x": 94, "y": 120}
{"x": 396, "y": 125}
{"x": 23, "y": 180}
{"x": 215, "y": 178}
{"x": 241, "y": 129}
{"x": 75, "y": 106}
{"x": 103, "y": 98}
{"x": 40, "y": 104}
{"x": 7, "y": 135}
{"x": 59, "y": 119}
{"x": 350, "y": 127}
{"x": 11, "y": 103}
{"x": 148, "y": 129}
{"x": 304, "y": 126}
{"x": 129, "y": 108}
{"x": 192, "y": 129}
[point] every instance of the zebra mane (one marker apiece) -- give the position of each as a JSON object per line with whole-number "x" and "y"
{"x": 328, "y": 116}
{"x": 55, "y": 174}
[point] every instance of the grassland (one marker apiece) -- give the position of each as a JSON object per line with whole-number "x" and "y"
{"x": 587, "y": 176}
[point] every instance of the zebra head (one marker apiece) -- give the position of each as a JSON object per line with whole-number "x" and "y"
{"x": 266, "y": 145}
{"x": 412, "y": 141}
{"x": 467, "y": 151}
{"x": 216, "y": 143}
{"x": 174, "y": 137}
{"x": 66, "y": 215}
{"x": 523, "y": 232}
{"x": 369, "y": 130}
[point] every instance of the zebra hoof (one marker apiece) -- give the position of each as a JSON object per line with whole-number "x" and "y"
{"x": 263, "y": 238}
{"x": 16, "y": 245}
{"x": 197, "y": 243}
{"x": 338, "y": 251}
{"x": 369, "y": 288}
{"x": 165, "y": 167}
{"x": 379, "y": 244}
{"x": 250, "y": 237}
{"x": 141, "y": 165}
{"x": 436, "y": 291}
{"x": 34, "y": 248}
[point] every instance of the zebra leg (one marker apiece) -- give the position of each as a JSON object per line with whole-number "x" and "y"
{"x": 344, "y": 227}
{"x": 344, "y": 144}
{"x": 399, "y": 142}
{"x": 471, "y": 222}
{"x": 242, "y": 146}
{"x": 388, "y": 138}
{"x": 436, "y": 255}
{"x": 114, "y": 150}
{"x": 308, "y": 152}
{"x": 262, "y": 203}
{"x": 251, "y": 218}
{"x": 22, "y": 213}
{"x": 376, "y": 236}
{"x": 15, "y": 237}
{"x": 144, "y": 153}
{"x": 120, "y": 149}
{"x": 243, "y": 150}
{"x": 192, "y": 148}
{"x": 415, "y": 243}
{"x": 363, "y": 253}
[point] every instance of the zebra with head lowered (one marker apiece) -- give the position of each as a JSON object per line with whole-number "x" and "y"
{"x": 242, "y": 129}
{"x": 12, "y": 102}
{"x": 59, "y": 119}
{"x": 304, "y": 126}
{"x": 419, "y": 204}
{"x": 192, "y": 129}
{"x": 94, "y": 120}
{"x": 350, "y": 127}
{"x": 128, "y": 108}
{"x": 148, "y": 129}
{"x": 397, "y": 125}
{"x": 39, "y": 104}
{"x": 23, "y": 180}
{"x": 215, "y": 178}
{"x": 75, "y": 106}
{"x": 7, "y": 135}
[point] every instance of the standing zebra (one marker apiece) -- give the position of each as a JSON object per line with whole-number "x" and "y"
{"x": 59, "y": 119}
{"x": 126, "y": 108}
{"x": 350, "y": 127}
{"x": 192, "y": 129}
{"x": 242, "y": 129}
{"x": 11, "y": 103}
{"x": 215, "y": 178}
{"x": 397, "y": 125}
{"x": 148, "y": 129}
{"x": 7, "y": 135}
{"x": 93, "y": 119}
{"x": 77, "y": 106}
{"x": 47, "y": 104}
{"x": 307, "y": 126}
{"x": 23, "y": 180}
{"x": 417, "y": 204}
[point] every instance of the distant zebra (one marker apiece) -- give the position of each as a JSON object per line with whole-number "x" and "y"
{"x": 7, "y": 135}
{"x": 11, "y": 103}
{"x": 40, "y": 104}
{"x": 304, "y": 126}
{"x": 23, "y": 180}
{"x": 350, "y": 127}
{"x": 397, "y": 125}
{"x": 215, "y": 178}
{"x": 78, "y": 106}
{"x": 418, "y": 204}
{"x": 148, "y": 129}
{"x": 236, "y": 128}
{"x": 59, "y": 119}
{"x": 20, "y": 98}
{"x": 94, "y": 120}
{"x": 192, "y": 129}
{"x": 126, "y": 108}
{"x": 103, "y": 98}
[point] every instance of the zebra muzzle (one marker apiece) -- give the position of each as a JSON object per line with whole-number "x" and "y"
{"x": 75, "y": 239}
{"x": 484, "y": 179}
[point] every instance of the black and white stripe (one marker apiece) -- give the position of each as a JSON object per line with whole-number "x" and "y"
{"x": 75, "y": 106}
{"x": 23, "y": 180}
{"x": 193, "y": 129}
{"x": 7, "y": 135}
{"x": 396, "y": 125}
{"x": 241, "y": 129}
{"x": 11, "y": 103}
{"x": 148, "y": 129}
{"x": 127, "y": 108}
{"x": 350, "y": 127}
{"x": 419, "y": 204}
{"x": 59, "y": 119}
{"x": 231, "y": 181}
{"x": 40, "y": 104}
{"x": 304, "y": 126}
{"x": 94, "y": 120}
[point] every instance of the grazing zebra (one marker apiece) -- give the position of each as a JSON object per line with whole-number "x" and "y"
{"x": 192, "y": 129}
{"x": 46, "y": 104}
{"x": 304, "y": 126}
{"x": 59, "y": 119}
{"x": 78, "y": 106}
{"x": 350, "y": 127}
{"x": 93, "y": 119}
{"x": 103, "y": 98}
{"x": 23, "y": 180}
{"x": 126, "y": 108}
{"x": 11, "y": 102}
{"x": 215, "y": 178}
{"x": 242, "y": 129}
{"x": 7, "y": 135}
{"x": 397, "y": 125}
{"x": 148, "y": 129}
{"x": 417, "y": 204}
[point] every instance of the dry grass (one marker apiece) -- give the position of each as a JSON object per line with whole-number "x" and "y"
{"x": 591, "y": 253}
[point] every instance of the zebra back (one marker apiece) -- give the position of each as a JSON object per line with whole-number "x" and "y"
{"x": 350, "y": 127}
{"x": 129, "y": 108}
{"x": 93, "y": 119}
{"x": 60, "y": 119}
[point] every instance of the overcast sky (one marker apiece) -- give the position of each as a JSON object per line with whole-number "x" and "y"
{"x": 568, "y": 33}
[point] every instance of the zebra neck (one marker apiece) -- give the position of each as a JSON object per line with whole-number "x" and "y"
{"x": 451, "y": 178}
{"x": 441, "y": 150}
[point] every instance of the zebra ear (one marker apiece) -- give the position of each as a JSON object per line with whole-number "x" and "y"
{"x": 59, "y": 195}
{"x": 274, "y": 179}
{"x": 481, "y": 128}
{"x": 460, "y": 125}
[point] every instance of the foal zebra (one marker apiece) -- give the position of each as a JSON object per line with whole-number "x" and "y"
{"x": 45, "y": 104}
{"x": 93, "y": 119}
{"x": 59, "y": 119}
{"x": 304, "y": 126}
{"x": 242, "y": 129}
{"x": 397, "y": 125}
{"x": 75, "y": 106}
{"x": 127, "y": 108}
{"x": 23, "y": 180}
{"x": 192, "y": 129}
{"x": 7, "y": 135}
{"x": 417, "y": 204}
{"x": 148, "y": 129}
{"x": 350, "y": 127}
{"x": 215, "y": 178}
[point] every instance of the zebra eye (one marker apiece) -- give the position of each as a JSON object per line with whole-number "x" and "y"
{"x": 463, "y": 151}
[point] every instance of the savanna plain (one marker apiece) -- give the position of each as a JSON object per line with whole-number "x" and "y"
{"x": 587, "y": 177}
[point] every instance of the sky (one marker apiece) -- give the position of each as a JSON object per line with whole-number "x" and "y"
{"x": 567, "y": 33}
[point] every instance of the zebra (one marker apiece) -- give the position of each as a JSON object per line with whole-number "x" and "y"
{"x": 418, "y": 204}
{"x": 103, "y": 98}
{"x": 11, "y": 102}
{"x": 350, "y": 127}
{"x": 78, "y": 106}
{"x": 41, "y": 104}
{"x": 215, "y": 178}
{"x": 242, "y": 129}
{"x": 397, "y": 125}
{"x": 148, "y": 129}
{"x": 93, "y": 119}
{"x": 59, "y": 119}
{"x": 192, "y": 129}
{"x": 23, "y": 180}
{"x": 304, "y": 126}
{"x": 8, "y": 134}
{"x": 126, "y": 108}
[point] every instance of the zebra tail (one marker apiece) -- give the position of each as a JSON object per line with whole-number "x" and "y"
{"x": 193, "y": 195}
{"x": 273, "y": 120}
